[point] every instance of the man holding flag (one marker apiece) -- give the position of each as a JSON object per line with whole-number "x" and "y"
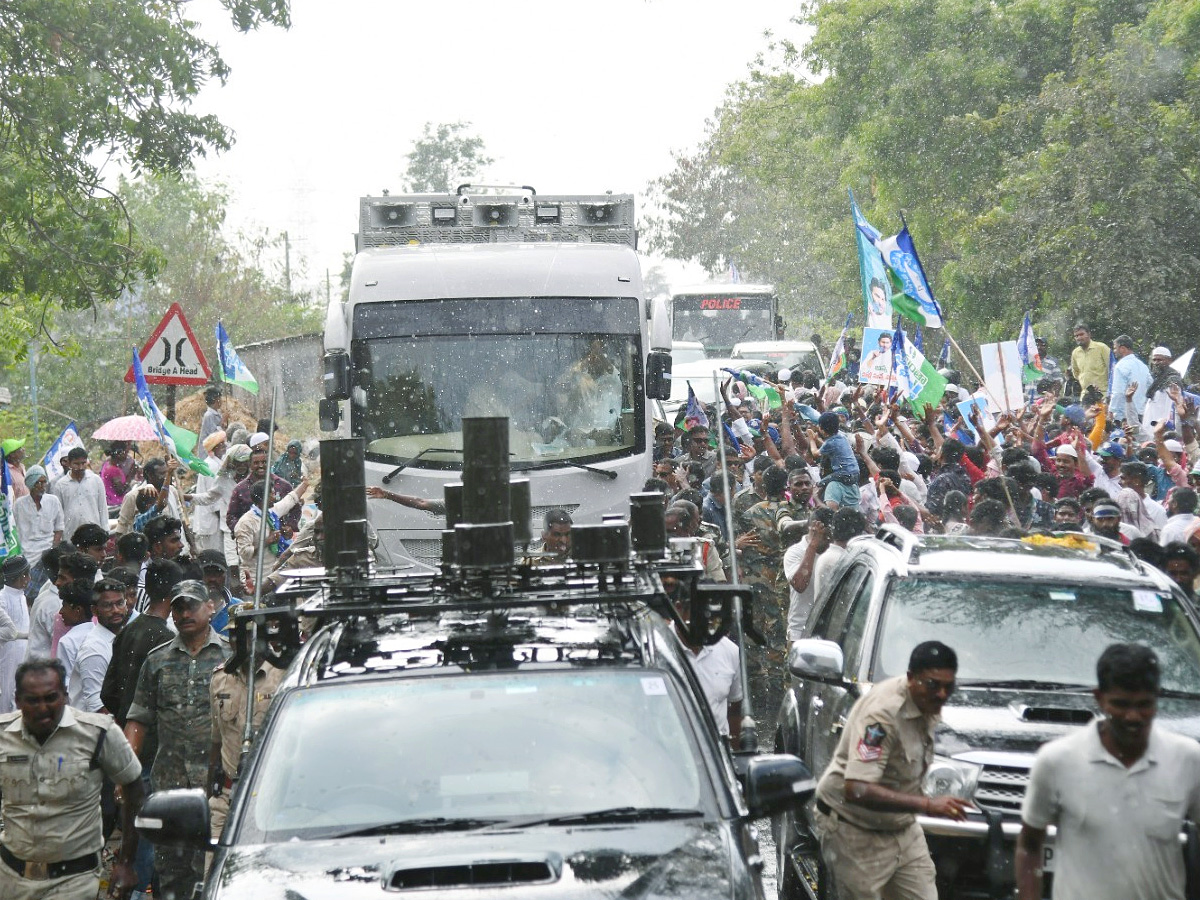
{"x": 179, "y": 442}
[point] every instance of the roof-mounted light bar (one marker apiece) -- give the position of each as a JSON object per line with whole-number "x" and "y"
{"x": 524, "y": 216}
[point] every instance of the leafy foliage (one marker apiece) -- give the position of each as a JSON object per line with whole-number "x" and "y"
{"x": 210, "y": 274}
{"x": 1044, "y": 152}
{"x": 443, "y": 157}
{"x": 84, "y": 85}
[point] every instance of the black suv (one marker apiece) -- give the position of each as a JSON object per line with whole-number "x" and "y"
{"x": 559, "y": 747}
{"x": 1028, "y": 619}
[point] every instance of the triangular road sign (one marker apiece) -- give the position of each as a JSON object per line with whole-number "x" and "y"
{"x": 173, "y": 355}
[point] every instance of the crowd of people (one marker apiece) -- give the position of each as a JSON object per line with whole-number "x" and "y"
{"x": 1109, "y": 454}
{"x": 128, "y": 578}
{"x": 119, "y": 609}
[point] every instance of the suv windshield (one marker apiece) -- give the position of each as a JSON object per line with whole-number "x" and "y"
{"x": 563, "y": 370}
{"x": 1003, "y": 630}
{"x": 475, "y": 749}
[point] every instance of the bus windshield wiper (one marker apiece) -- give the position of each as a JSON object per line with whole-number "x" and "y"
{"x": 610, "y": 474}
{"x": 416, "y": 826}
{"x": 600, "y": 816}
{"x": 1023, "y": 683}
{"x": 607, "y": 473}
{"x": 412, "y": 459}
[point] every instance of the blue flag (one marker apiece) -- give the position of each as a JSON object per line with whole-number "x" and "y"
{"x": 734, "y": 275}
{"x": 231, "y": 368}
{"x": 10, "y": 544}
{"x": 913, "y": 377}
{"x": 179, "y": 442}
{"x": 876, "y": 286}
{"x": 694, "y": 414}
{"x": 68, "y": 440}
{"x": 919, "y": 339}
{"x": 911, "y": 296}
{"x": 944, "y": 356}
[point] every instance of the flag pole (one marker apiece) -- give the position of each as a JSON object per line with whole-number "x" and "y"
{"x": 1003, "y": 478}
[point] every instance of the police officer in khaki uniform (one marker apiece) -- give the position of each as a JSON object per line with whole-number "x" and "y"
{"x": 871, "y": 793}
{"x": 228, "y": 693}
{"x": 172, "y": 699}
{"x": 53, "y": 760}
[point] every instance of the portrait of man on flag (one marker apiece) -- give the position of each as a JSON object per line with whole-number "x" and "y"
{"x": 876, "y": 365}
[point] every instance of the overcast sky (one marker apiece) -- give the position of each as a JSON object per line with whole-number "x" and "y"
{"x": 570, "y": 96}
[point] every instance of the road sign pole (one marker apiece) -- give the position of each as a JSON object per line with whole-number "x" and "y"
{"x": 171, "y": 402}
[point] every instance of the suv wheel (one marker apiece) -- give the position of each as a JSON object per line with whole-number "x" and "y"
{"x": 788, "y": 879}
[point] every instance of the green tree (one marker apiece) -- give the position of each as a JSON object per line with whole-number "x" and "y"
{"x": 1044, "y": 151}
{"x": 443, "y": 157}
{"x": 211, "y": 274}
{"x": 85, "y": 86}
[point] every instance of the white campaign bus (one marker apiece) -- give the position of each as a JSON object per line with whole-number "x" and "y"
{"x": 495, "y": 304}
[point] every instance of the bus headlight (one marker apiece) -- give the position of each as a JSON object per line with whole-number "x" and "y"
{"x": 952, "y": 777}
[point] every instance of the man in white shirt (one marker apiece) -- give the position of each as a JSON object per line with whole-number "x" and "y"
{"x": 1117, "y": 790}
{"x": 1105, "y": 466}
{"x": 718, "y": 669}
{"x": 799, "y": 563}
{"x": 1142, "y": 512}
{"x": 81, "y": 494}
{"x": 95, "y": 653}
{"x": 39, "y": 520}
{"x": 77, "y": 598}
{"x": 14, "y": 613}
{"x": 1181, "y": 509}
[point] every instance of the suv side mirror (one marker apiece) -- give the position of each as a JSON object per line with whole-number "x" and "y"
{"x": 658, "y": 375}
{"x": 776, "y": 782}
{"x": 176, "y": 819}
{"x": 816, "y": 659}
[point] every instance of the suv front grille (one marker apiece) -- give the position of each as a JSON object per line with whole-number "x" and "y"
{"x": 1002, "y": 787}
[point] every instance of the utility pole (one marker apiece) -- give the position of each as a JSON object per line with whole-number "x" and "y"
{"x": 33, "y": 398}
{"x": 287, "y": 265}
{"x": 327, "y": 294}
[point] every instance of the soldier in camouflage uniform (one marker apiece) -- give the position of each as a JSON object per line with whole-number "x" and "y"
{"x": 173, "y": 696}
{"x": 760, "y": 564}
{"x": 751, "y": 496}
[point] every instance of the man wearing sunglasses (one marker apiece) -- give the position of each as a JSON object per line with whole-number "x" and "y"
{"x": 870, "y": 796}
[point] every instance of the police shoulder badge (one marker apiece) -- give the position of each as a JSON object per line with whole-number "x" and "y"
{"x": 870, "y": 748}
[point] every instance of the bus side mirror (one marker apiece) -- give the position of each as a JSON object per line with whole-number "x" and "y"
{"x": 329, "y": 414}
{"x": 658, "y": 375}
{"x": 337, "y": 375}
{"x": 780, "y": 328}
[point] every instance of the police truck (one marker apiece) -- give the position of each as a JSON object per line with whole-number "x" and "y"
{"x": 722, "y": 315}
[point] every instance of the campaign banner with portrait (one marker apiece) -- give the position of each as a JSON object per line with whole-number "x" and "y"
{"x": 876, "y": 288}
{"x": 875, "y": 367}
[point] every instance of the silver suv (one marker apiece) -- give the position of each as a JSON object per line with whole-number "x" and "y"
{"x": 1028, "y": 618}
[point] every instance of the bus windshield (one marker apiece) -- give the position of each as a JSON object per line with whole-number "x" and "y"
{"x": 565, "y": 371}
{"x": 720, "y": 321}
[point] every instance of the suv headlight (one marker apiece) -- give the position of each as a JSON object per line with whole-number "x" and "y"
{"x": 952, "y": 777}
